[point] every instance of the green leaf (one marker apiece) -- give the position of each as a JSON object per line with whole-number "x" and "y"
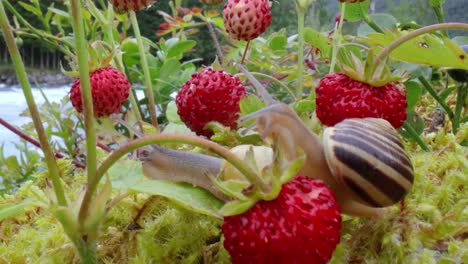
{"x": 318, "y": 41}
{"x": 186, "y": 195}
{"x": 12, "y": 209}
{"x": 37, "y": 12}
{"x": 250, "y": 104}
{"x": 445, "y": 93}
{"x": 382, "y": 20}
{"x": 169, "y": 69}
{"x": 128, "y": 174}
{"x": 277, "y": 42}
{"x": 171, "y": 113}
{"x": 177, "y": 50}
{"x": 304, "y": 106}
{"x": 435, "y": 3}
{"x": 414, "y": 92}
{"x": 355, "y": 11}
{"x": 415, "y": 121}
{"x": 236, "y": 207}
{"x": 427, "y": 49}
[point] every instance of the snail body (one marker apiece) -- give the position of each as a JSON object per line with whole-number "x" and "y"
{"x": 361, "y": 159}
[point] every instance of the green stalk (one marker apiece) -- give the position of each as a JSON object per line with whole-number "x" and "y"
{"x": 412, "y": 133}
{"x": 144, "y": 65}
{"x": 273, "y": 79}
{"x": 49, "y": 154}
{"x": 434, "y": 94}
{"x": 372, "y": 24}
{"x": 301, "y": 11}
{"x": 110, "y": 36}
{"x": 337, "y": 38}
{"x": 181, "y": 139}
{"x": 87, "y": 249}
{"x": 461, "y": 97}
{"x": 85, "y": 85}
{"x": 439, "y": 12}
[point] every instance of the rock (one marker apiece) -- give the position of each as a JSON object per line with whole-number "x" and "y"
{"x": 47, "y": 78}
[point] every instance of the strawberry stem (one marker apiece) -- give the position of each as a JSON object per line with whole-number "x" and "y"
{"x": 396, "y": 43}
{"x": 462, "y": 92}
{"x": 215, "y": 41}
{"x": 337, "y": 38}
{"x": 301, "y": 10}
{"x": 87, "y": 249}
{"x": 273, "y": 79}
{"x": 434, "y": 94}
{"x": 146, "y": 73}
{"x": 26, "y": 86}
{"x": 245, "y": 52}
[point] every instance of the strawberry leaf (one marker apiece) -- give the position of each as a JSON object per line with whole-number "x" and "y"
{"x": 413, "y": 93}
{"x": 427, "y": 49}
{"x": 318, "y": 41}
{"x": 128, "y": 175}
{"x": 355, "y": 11}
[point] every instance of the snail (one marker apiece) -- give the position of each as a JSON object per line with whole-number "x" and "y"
{"x": 361, "y": 159}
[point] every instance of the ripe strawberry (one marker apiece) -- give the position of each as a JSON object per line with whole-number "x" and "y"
{"x": 339, "y": 97}
{"x": 302, "y": 225}
{"x": 210, "y": 95}
{"x": 131, "y": 5}
{"x": 246, "y": 19}
{"x": 109, "y": 88}
{"x": 211, "y": 2}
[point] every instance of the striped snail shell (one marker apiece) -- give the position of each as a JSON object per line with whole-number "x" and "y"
{"x": 366, "y": 156}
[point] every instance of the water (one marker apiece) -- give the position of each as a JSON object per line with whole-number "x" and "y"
{"x": 12, "y": 103}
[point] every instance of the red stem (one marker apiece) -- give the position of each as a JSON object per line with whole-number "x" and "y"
{"x": 35, "y": 142}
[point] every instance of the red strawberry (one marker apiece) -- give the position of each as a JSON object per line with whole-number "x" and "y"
{"x": 211, "y": 2}
{"x": 210, "y": 96}
{"x": 109, "y": 89}
{"x": 302, "y": 225}
{"x": 340, "y": 97}
{"x": 131, "y": 5}
{"x": 246, "y": 19}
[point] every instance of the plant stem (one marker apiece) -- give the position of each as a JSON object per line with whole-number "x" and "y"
{"x": 118, "y": 59}
{"x": 461, "y": 98}
{"x": 300, "y": 49}
{"x": 337, "y": 38}
{"x": 146, "y": 73}
{"x": 439, "y": 12}
{"x": 49, "y": 154}
{"x": 85, "y": 86}
{"x": 370, "y": 22}
{"x": 86, "y": 249}
{"x": 434, "y": 94}
{"x": 181, "y": 139}
{"x": 415, "y": 136}
{"x": 215, "y": 41}
{"x": 393, "y": 45}
{"x": 266, "y": 76}
{"x": 245, "y": 52}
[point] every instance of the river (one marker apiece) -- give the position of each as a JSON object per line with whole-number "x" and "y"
{"x": 12, "y": 103}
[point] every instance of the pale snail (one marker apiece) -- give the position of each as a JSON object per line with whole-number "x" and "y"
{"x": 362, "y": 160}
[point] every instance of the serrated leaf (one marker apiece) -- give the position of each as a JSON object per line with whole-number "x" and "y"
{"x": 427, "y": 49}
{"x": 186, "y": 195}
{"x": 250, "y": 104}
{"x": 355, "y": 11}
{"x": 318, "y": 41}
{"x": 304, "y": 105}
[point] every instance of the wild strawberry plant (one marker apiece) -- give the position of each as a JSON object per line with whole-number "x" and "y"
{"x": 92, "y": 200}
